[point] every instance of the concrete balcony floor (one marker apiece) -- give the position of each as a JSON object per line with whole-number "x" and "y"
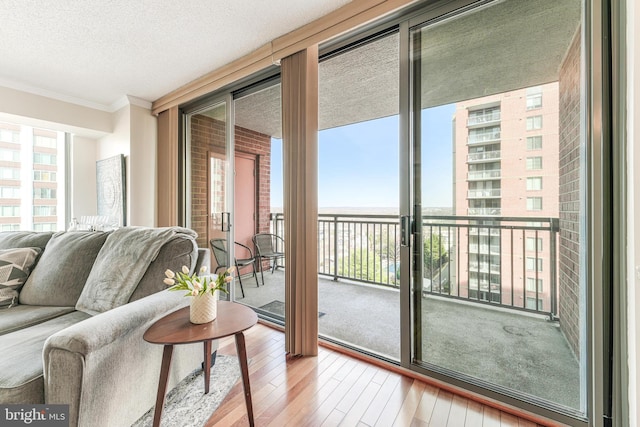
{"x": 508, "y": 348}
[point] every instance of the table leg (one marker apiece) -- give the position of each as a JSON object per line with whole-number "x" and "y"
{"x": 244, "y": 368}
{"x": 207, "y": 365}
{"x": 162, "y": 383}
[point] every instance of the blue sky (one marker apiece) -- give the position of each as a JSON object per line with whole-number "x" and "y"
{"x": 358, "y": 163}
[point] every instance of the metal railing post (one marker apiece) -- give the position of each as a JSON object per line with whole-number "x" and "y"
{"x": 555, "y": 227}
{"x": 335, "y": 248}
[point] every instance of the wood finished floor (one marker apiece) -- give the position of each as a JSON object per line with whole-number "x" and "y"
{"x": 334, "y": 389}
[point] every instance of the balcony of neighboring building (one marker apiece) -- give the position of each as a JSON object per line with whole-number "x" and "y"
{"x": 485, "y": 193}
{"x": 484, "y": 211}
{"x": 485, "y": 156}
{"x": 485, "y": 175}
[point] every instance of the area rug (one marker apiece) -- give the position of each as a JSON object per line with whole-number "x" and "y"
{"x": 277, "y": 307}
{"x": 187, "y": 405}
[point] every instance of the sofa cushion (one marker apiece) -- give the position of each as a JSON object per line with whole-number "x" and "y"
{"x": 23, "y": 316}
{"x": 21, "y": 367}
{"x": 173, "y": 255}
{"x": 24, "y": 239}
{"x": 63, "y": 269}
{"x": 15, "y": 266}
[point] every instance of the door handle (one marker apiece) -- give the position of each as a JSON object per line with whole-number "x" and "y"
{"x": 226, "y": 225}
{"x": 405, "y": 230}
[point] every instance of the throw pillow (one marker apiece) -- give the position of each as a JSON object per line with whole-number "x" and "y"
{"x": 15, "y": 266}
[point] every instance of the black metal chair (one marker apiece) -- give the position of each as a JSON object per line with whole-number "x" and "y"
{"x": 267, "y": 248}
{"x": 220, "y": 253}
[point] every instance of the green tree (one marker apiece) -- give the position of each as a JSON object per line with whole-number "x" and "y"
{"x": 363, "y": 265}
{"x": 435, "y": 255}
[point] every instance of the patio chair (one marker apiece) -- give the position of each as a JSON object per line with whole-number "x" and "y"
{"x": 220, "y": 253}
{"x": 266, "y": 248}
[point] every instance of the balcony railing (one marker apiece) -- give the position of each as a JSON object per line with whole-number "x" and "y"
{"x": 459, "y": 261}
{"x": 483, "y": 138}
{"x": 484, "y": 175}
{"x": 483, "y": 119}
{"x": 484, "y": 193}
{"x": 484, "y": 211}
{"x": 484, "y": 156}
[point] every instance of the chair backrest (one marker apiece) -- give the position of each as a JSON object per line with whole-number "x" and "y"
{"x": 264, "y": 243}
{"x": 219, "y": 247}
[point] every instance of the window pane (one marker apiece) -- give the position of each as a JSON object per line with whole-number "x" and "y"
{"x": 534, "y": 142}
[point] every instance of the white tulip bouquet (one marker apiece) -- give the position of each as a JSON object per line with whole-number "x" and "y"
{"x": 197, "y": 285}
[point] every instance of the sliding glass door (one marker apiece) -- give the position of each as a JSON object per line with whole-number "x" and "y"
{"x": 498, "y": 195}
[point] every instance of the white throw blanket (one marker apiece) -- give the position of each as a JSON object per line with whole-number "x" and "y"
{"x": 122, "y": 262}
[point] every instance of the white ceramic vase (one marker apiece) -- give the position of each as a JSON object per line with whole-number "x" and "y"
{"x": 204, "y": 308}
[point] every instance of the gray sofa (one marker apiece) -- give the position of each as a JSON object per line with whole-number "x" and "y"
{"x": 75, "y": 336}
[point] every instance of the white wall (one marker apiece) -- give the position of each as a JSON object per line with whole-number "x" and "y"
{"x": 98, "y": 134}
{"x": 83, "y": 177}
{"x": 142, "y": 169}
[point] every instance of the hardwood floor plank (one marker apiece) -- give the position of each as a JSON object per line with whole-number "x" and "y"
{"x": 391, "y": 409}
{"x": 334, "y": 389}
{"x": 441, "y": 409}
{"x": 427, "y": 403}
{"x": 458, "y": 412}
{"x": 410, "y": 404}
{"x": 474, "y": 414}
{"x": 508, "y": 420}
{"x": 490, "y": 417}
{"x": 370, "y": 417}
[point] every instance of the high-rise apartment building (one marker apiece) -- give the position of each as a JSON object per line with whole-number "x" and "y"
{"x": 31, "y": 178}
{"x": 506, "y": 166}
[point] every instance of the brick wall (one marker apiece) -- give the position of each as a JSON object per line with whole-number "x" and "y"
{"x": 208, "y": 135}
{"x": 569, "y": 251}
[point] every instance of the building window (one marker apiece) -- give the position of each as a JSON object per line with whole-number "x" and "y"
{"x": 480, "y": 135}
{"x": 9, "y": 173}
{"x": 531, "y": 264}
{"x": 531, "y": 285}
{"x": 45, "y": 176}
{"x": 44, "y": 158}
{"x": 8, "y": 135}
{"x": 531, "y": 304}
{"x": 9, "y": 155}
{"x": 45, "y": 226}
{"x": 45, "y": 141}
{"x": 531, "y": 244}
{"x": 10, "y": 211}
{"x": 9, "y": 227}
{"x": 534, "y": 203}
{"x": 534, "y": 163}
{"x": 534, "y": 142}
{"x": 44, "y": 193}
{"x": 534, "y": 97}
{"x": 534, "y": 183}
{"x": 534, "y": 122}
{"x": 44, "y": 211}
{"x": 10, "y": 193}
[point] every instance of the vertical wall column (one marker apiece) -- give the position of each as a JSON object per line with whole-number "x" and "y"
{"x": 300, "y": 147}
{"x": 167, "y": 168}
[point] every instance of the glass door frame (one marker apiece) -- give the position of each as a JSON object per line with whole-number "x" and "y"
{"x": 592, "y": 115}
{"x": 187, "y": 113}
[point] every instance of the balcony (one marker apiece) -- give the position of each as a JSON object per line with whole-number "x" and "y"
{"x": 361, "y": 306}
{"x": 490, "y": 193}
{"x": 483, "y": 138}
{"x": 484, "y": 156}
{"x": 484, "y": 175}
{"x": 484, "y": 119}
{"x": 484, "y": 211}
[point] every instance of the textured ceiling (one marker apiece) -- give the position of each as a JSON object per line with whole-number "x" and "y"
{"x": 95, "y": 52}
{"x": 505, "y": 46}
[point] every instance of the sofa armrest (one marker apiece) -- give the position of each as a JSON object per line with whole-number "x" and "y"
{"x": 94, "y": 365}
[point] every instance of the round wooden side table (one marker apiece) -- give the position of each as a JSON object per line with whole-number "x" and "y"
{"x": 175, "y": 329}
